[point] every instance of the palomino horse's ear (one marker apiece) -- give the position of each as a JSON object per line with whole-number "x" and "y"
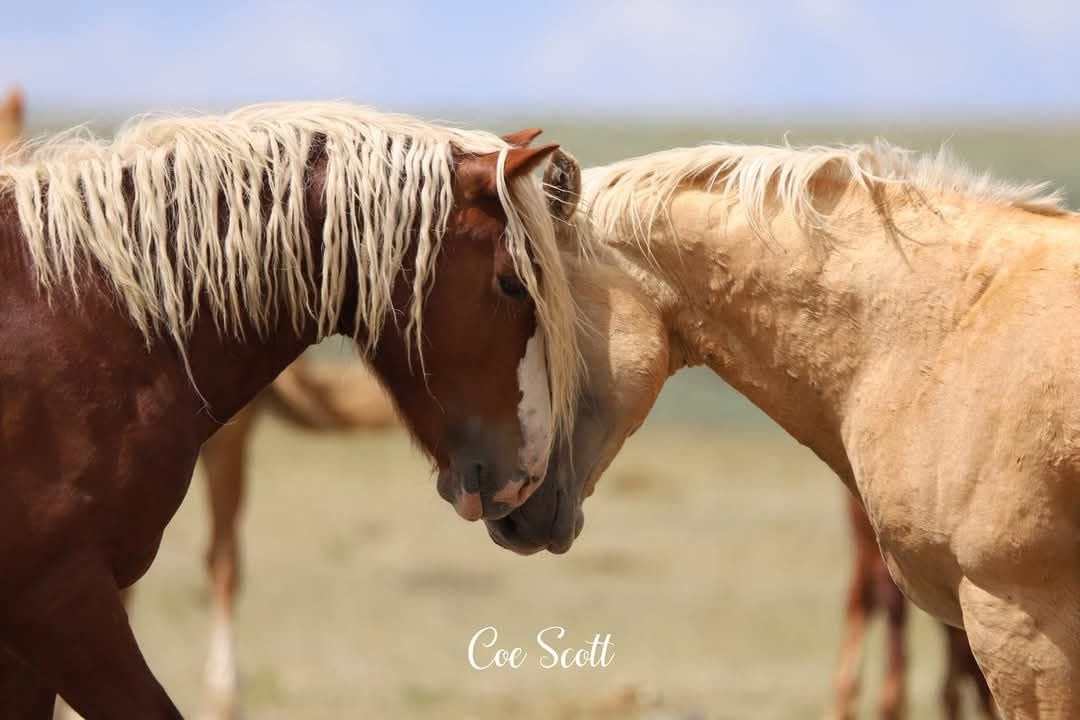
{"x": 562, "y": 184}
{"x": 523, "y": 137}
{"x": 477, "y": 174}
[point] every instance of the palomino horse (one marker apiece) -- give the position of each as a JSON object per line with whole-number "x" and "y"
{"x": 871, "y": 589}
{"x": 908, "y": 321}
{"x": 153, "y": 285}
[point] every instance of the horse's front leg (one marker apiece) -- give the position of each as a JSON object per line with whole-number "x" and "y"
{"x": 23, "y": 696}
{"x": 63, "y": 711}
{"x": 960, "y": 664}
{"x": 69, "y": 625}
{"x": 224, "y": 460}
{"x": 1026, "y": 639}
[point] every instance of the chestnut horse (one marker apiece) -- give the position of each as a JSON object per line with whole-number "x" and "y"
{"x": 153, "y": 285}
{"x": 871, "y": 590}
{"x": 347, "y": 398}
{"x": 911, "y": 322}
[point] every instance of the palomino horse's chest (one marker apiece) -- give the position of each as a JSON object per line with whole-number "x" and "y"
{"x": 913, "y": 534}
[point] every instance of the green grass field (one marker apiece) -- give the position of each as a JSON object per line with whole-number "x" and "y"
{"x": 715, "y": 552}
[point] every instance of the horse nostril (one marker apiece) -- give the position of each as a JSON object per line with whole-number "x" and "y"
{"x": 474, "y": 478}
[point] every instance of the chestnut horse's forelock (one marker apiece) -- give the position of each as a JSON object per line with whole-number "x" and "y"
{"x": 388, "y": 188}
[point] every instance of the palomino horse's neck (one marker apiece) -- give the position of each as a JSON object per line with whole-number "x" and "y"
{"x": 785, "y": 319}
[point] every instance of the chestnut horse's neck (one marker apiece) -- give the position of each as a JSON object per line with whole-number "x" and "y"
{"x": 227, "y": 373}
{"x": 227, "y": 370}
{"x": 222, "y": 371}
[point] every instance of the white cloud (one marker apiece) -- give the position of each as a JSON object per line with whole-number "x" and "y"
{"x": 1042, "y": 25}
{"x": 651, "y": 56}
{"x": 659, "y": 49}
{"x": 287, "y": 49}
{"x": 882, "y": 65}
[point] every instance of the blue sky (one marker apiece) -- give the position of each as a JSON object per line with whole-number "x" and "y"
{"x": 1013, "y": 58}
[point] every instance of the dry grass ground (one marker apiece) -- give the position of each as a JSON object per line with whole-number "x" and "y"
{"x": 714, "y": 556}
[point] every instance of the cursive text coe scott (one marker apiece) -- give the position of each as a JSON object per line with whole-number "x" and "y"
{"x": 483, "y": 653}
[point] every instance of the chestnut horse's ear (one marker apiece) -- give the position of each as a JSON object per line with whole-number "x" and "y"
{"x": 523, "y": 160}
{"x": 562, "y": 184}
{"x": 523, "y": 137}
{"x": 477, "y": 173}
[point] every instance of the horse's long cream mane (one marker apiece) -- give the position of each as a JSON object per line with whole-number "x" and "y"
{"x": 145, "y": 209}
{"x": 629, "y": 196}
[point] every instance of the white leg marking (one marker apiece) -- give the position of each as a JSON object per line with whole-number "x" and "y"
{"x": 64, "y": 712}
{"x": 221, "y": 672}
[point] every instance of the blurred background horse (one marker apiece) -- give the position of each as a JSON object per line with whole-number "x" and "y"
{"x": 12, "y": 113}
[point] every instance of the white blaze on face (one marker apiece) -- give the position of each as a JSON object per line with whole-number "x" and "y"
{"x": 534, "y": 411}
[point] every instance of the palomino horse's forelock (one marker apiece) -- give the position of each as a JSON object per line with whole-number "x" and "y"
{"x": 387, "y": 172}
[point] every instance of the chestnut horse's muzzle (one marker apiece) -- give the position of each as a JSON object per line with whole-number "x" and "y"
{"x": 474, "y": 495}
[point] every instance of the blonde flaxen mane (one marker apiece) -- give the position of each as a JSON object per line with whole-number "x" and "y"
{"x": 629, "y": 196}
{"x": 144, "y": 209}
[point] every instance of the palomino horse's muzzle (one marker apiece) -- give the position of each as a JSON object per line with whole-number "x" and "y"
{"x": 551, "y": 519}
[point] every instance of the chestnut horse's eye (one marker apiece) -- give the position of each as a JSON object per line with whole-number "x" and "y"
{"x": 512, "y": 287}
